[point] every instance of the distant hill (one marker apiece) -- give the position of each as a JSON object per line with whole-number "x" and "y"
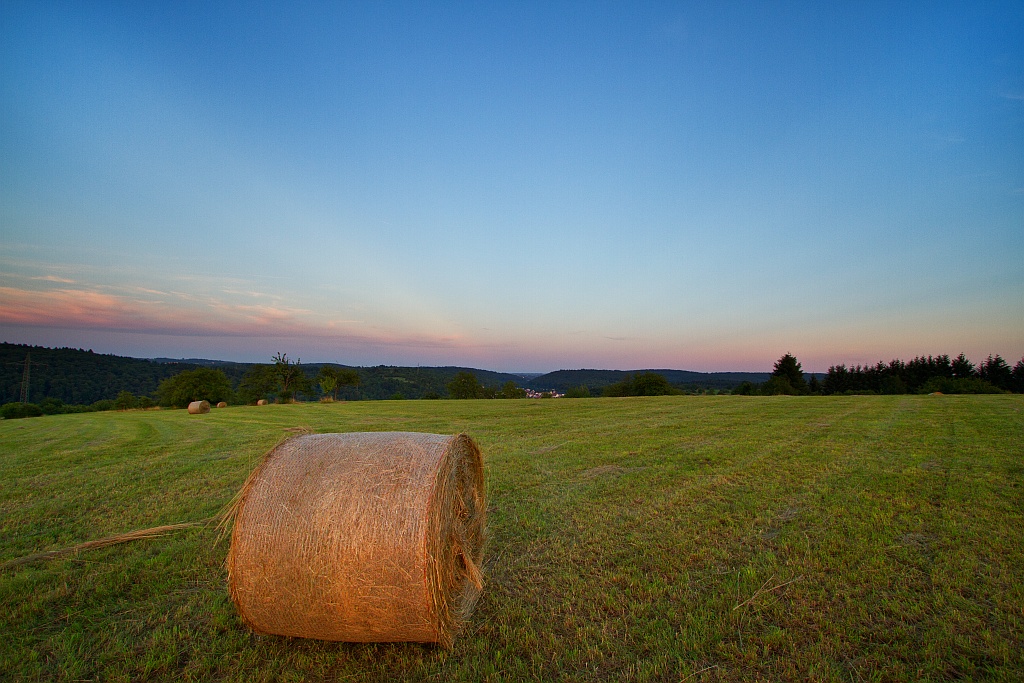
{"x": 387, "y": 381}
{"x": 596, "y": 380}
{"x": 200, "y": 362}
{"x": 78, "y": 376}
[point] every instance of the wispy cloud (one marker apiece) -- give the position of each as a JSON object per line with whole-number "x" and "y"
{"x": 187, "y": 315}
{"x": 253, "y": 294}
{"x": 53, "y": 278}
{"x": 1015, "y": 96}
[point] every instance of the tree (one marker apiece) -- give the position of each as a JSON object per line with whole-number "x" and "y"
{"x": 465, "y": 385}
{"x": 331, "y": 379}
{"x": 257, "y": 383}
{"x": 582, "y": 391}
{"x": 652, "y": 384}
{"x": 126, "y": 401}
{"x": 290, "y": 377}
{"x": 814, "y": 386}
{"x": 328, "y": 385}
{"x": 789, "y": 369}
{"x": 838, "y": 379}
{"x": 892, "y": 384}
{"x": 641, "y": 384}
{"x": 510, "y": 390}
{"x": 777, "y": 384}
{"x": 744, "y": 389}
{"x": 52, "y": 406}
{"x": 14, "y": 411}
{"x": 966, "y": 385}
{"x": 618, "y": 389}
{"x": 997, "y": 372}
{"x": 203, "y": 384}
{"x": 1018, "y": 377}
{"x": 962, "y": 367}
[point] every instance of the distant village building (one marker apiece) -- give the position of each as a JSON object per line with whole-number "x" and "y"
{"x": 530, "y": 393}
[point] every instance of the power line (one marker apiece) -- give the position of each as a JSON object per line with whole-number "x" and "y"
{"x": 26, "y": 376}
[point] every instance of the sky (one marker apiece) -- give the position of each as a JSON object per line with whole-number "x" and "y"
{"x": 514, "y": 186}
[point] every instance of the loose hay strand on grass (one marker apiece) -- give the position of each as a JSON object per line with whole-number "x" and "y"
{"x": 363, "y": 537}
{"x": 137, "y": 535}
{"x": 222, "y": 520}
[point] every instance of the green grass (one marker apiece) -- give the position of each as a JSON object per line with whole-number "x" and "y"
{"x": 648, "y": 539}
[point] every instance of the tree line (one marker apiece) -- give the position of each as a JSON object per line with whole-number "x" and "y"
{"x": 920, "y": 375}
{"x": 283, "y": 380}
{"x": 77, "y": 374}
{"x": 927, "y": 375}
{"x": 82, "y": 377}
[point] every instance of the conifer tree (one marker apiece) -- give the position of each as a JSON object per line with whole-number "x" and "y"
{"x": 788, "y": 368}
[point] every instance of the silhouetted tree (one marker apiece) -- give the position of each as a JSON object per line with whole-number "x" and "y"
{"x": 1018, "y": 377}
{"x": 789, "y": 369}
{"x": 995, "y": 371}
{"x": 837, "y": 380}
{"x": 290, "y": 377}
{"x": 962, "y": 367}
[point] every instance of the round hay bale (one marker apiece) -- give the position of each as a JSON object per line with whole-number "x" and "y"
{"x": 362, "y": 537}
{"x": 198, "y": 407}
{"x": 222, "y": 404}
{"x": 261, "y": 402}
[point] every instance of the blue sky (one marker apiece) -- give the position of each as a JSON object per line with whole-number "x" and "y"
{"x": 699, "y": 186}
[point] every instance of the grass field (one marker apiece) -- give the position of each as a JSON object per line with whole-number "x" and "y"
{"x": 647, "y": 539}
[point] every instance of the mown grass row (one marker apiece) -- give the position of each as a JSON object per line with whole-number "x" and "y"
{"x": 669, "y": 538}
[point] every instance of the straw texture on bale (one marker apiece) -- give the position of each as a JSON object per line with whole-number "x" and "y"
{"x": 198, "y": 407}
{"x": 222, "y": 404}
{"x": 362, "y": 537}
{"x": 261, "y": 402}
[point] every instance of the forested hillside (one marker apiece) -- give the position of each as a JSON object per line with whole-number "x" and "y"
{"x": 390, "y": 381}
{"x": 76, "y": 376}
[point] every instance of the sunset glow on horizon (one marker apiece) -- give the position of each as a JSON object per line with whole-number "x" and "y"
{"x": 522, "y": 188}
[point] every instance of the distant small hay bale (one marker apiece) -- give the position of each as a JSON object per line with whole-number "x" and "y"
{"x": 261, "y": 402}
{"x": 198, "y": 407}
{"x": 362, "y": 537}
{"x": 222, "y": 404}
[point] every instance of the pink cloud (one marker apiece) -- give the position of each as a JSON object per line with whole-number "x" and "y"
{"x": 90, "y": 310}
